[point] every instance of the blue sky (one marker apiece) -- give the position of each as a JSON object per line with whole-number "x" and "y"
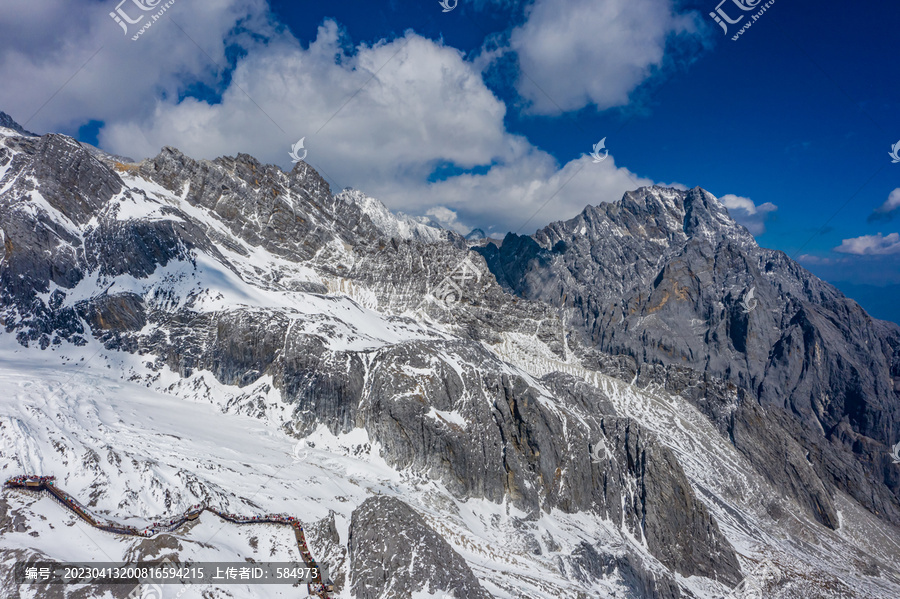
{"x": 483, "y": 116}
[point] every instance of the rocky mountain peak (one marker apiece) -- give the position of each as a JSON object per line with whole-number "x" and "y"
{"x": 78, "y": 183}
{"x": 707, "y": 218}
{"x": 399, "y": 225}
{"x": 7, "y": 122}
{"x": 667, "y": 276}
{"x": 656, "y": 213}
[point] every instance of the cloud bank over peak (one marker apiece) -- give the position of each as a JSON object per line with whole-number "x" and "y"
{"x": 747, "y": 213}
{"x": 409, "y": 120}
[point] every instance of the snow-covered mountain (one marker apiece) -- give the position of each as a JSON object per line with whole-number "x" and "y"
{"x": 666, "y": 276}
{"x": 173, "y": 329}
{"x": 389, "y": 224}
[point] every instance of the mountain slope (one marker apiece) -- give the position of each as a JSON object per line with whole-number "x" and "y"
{"x": 666, "y": 276}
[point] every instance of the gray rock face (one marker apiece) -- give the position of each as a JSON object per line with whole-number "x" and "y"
{"x": 325, "y": 543}
{"x": 665, "y": 276}
{"x": 512, "y": 443}
{"x": 293, "y": 216}
{"x": 772, "y": 439}
{"x": 643, "y": 584}
{"x": 394, "y": 552}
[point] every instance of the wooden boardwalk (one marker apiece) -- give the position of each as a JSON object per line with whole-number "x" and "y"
{"x": 47, "y": 484}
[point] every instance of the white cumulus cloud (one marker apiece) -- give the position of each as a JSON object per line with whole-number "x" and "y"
{"x": 575, "y": 53}
{"x": 414, "y": 106}
{"x": 746, "y": 212}
{"x": 382, "y": 117}
{"x": 90, "y": 70}
{"x": 871, "y": 245}
{"x": 887, "y": 210}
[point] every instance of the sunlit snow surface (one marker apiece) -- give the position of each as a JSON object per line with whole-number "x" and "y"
{"x": 133, "y": 454}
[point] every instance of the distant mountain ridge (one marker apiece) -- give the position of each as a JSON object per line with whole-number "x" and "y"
{"x": 390, "y": 224}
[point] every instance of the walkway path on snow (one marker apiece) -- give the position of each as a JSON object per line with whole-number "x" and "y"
{"x": 318, "y": 588}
